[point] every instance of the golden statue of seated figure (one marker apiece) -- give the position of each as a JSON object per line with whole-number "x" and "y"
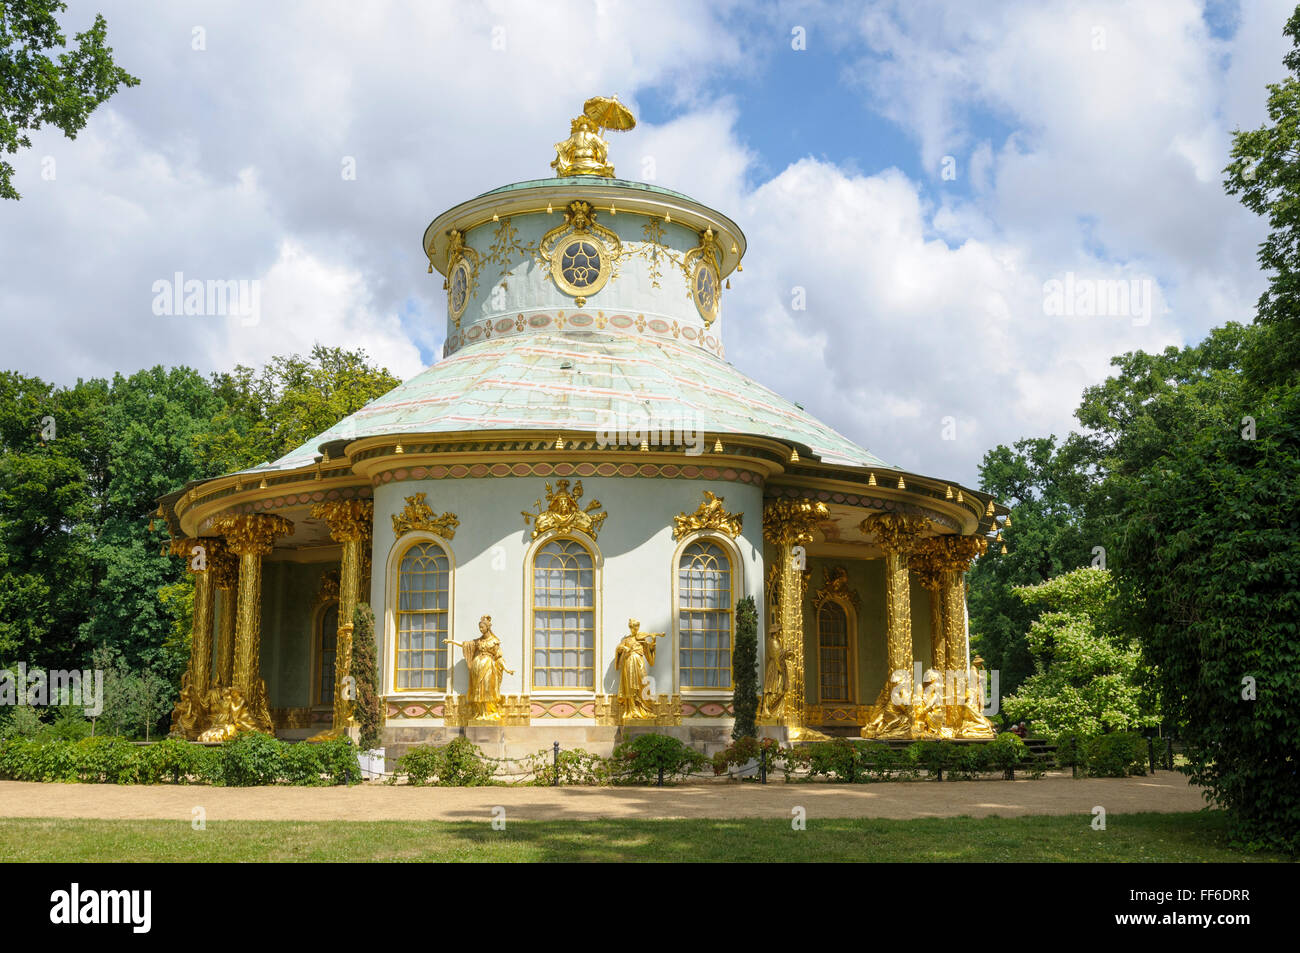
{"x": 583, "y": 153}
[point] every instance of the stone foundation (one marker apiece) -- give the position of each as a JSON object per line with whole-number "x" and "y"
{"x": 521, "y": 741}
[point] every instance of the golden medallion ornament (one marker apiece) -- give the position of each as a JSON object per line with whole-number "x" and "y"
{"x": 462, "y": 275}
{"x": 564, "y": 513}
{"x": 418, "y": 516}
{"x": 710, "y": 514}
{"x": 580, "y": 254}
{"x": 702, "y": 264}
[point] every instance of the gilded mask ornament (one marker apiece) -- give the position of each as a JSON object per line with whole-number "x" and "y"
{"x": 563, "y": 513}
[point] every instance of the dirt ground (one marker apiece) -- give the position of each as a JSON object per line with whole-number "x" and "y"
{"x": 1164, "y": 792}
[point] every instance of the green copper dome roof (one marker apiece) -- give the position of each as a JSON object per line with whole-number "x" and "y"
{"x": 586, "y": 180}
{"x": 578, "y": 380}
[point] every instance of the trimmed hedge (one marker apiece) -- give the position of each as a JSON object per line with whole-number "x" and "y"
{"x": 247, "y": 759}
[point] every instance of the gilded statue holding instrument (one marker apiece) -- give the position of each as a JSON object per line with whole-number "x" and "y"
{"x": 486, "y": 664}
{"x": 633, "y": 658}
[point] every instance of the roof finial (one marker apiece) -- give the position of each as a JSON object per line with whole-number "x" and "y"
{"x": 585, "y": 152}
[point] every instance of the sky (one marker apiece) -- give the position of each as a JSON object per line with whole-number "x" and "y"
{"x": 953, "y": 191}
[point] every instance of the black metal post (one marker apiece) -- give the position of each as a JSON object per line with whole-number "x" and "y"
{"x": 1169, "y": 753}
{"x": 1151, "y": 753}
{"x": 762, "y": 765}
{"x": 661, "y": 775}
{"x": 556, "y": 749}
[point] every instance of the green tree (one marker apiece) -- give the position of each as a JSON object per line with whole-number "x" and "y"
{"x": 1265, "y": 173}
{"x": 1086, "y": 675}
{"x": 37, "y": 89}
{"x": 1045, "y": 539}
{"x": 293, "y": 399}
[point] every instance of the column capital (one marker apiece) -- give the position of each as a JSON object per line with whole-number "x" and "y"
{"x": 927, "y": 562}
{"x": 213, "y": 547}
{"x": 790, "y": 522}
{"x": 956, "y": 552}
{"x": 252, "y": 534}
{"x": 225, "y": 568}
{"x": 896, "y": 533}
{"x": 347, "y": 519}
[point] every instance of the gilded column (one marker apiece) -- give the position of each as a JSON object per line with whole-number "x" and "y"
{"x": 931, "y": 572}
{"x": 963, "y": 712}
{"x": 250, "y": 538}
{"x": 897, "y": 536}
{"x": 190, "y": 714}
{"x": 350, "y": 523}
{"x": 225, "y": 577}
{"x": 957, "y": 553}
{"x": 787, "y": 524}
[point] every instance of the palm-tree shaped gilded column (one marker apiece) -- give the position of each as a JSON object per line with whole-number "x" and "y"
{"x": 350, "y": 523}
{"x": 250, "y": 537}
{"x": 898, "y": 536}
{"x": 787, "y": 524}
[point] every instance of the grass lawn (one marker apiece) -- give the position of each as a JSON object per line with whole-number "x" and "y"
{"x": 1197, "y": 836}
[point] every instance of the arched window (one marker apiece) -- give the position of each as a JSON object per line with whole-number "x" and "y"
{"x": 564, "y": 616}
{"x": 704, "y": 616}
{"x": 326, "y": 641}
{"x": 833, "y": 651}
{"x": 422, "y": 604}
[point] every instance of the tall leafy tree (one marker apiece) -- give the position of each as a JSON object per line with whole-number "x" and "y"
{"x": 1087, "y": 676}
{"x": 36, "y": 89}
{"x": 1045, "y": 540}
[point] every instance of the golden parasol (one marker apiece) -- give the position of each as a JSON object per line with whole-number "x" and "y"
{"x": 608, "y": 113}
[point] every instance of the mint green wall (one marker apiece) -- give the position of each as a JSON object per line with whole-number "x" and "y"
{"x": 491, "y": 547}
{"x": 289, "y": 593}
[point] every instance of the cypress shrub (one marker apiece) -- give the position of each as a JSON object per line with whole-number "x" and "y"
{"x": 744, "y": 670}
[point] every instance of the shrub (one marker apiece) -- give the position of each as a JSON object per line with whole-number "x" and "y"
{"x": 171, "y": 760}
{"x": 937, "y": 757}
{"x": 1116, "y": 755}
{"x": 459, "y": 763}
{"x": 1006, "y": 751}
{"x": 21, "y": 721}
{"x": 878, "y": 761}
{"x": 338, "y": 761}
{"x": 1070, "y": 750}
{"x": 640, "y": 760}
{"x": 249, "y": 759}
{"x": 746, "y": 750}
{"x": 837, "y": 759}
{"x": 972, "y": 761}
{"x": 303, "y": 765}
{"x": 576, "y": 766}
{"x": 744, "y": 664}
{"x": 369, "y": 707}
{"x": 105, "y": 761}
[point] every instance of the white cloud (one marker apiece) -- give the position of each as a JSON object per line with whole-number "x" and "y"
{"x": 924, "y": 301}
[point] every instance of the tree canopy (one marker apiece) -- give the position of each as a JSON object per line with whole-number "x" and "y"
{"x": 37, "y": 89}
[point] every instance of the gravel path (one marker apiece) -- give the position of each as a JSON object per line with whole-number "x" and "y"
{"x": 1164, "y": 792}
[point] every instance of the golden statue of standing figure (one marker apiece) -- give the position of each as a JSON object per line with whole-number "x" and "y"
{"x": 633, "y": 658}
{"x": 585, "y": 152}
{"x": 486, "y": 663}
{"x": 777, "y": 663}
